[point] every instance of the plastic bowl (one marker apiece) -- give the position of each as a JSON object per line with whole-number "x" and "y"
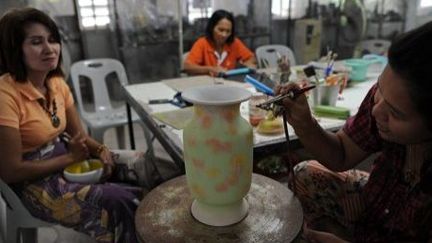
{"x": 358, "y": 68}
{"x": 85, "y": 172}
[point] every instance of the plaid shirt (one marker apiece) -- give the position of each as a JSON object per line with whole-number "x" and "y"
{"x": 395, "y": 210}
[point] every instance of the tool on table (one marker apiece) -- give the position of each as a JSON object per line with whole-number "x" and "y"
{"x": 177, "y": 100}
{"x": 332, "y": 111}
{"x": 159, "y": 101}
{"x": 235, "y": 72}
{"x": 259, "y": 86}
{"x": 310, "y": 71}
{"x": 329, "y": 69}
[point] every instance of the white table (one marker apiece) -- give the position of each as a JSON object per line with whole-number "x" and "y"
{"x": 138, "y": 96}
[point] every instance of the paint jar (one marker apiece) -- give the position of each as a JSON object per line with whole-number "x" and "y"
{"x": 256, "y": 114}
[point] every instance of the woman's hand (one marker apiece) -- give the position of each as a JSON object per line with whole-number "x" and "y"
{"x": 214, "y": 71}
{"x": 297, "y": 110}
{"x": 316, "y": 236}
{"x": 105, "y": 156}
{"x": 78, "y": 148}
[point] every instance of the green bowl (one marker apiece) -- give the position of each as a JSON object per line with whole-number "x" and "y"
{"x": 358, "y": 69}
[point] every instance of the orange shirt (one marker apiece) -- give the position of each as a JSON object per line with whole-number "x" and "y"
{"x": 20, "y": 109}
{"x": 203, "y": 53}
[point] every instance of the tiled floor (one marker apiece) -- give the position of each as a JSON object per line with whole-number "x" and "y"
{"x": 59, "y": 234}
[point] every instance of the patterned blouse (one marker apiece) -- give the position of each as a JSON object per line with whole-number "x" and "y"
{"x": 396, "y": 210}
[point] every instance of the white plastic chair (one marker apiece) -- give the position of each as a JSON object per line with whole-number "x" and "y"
{"x": 105, "y": 115}
{"x": 184, "y": 57}
{"x": 267, "y": 57}
{"x": 16, "y": 223}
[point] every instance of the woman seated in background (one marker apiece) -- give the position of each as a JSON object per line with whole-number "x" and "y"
{"x": 37, "y": 107}
{"x": 219, "y": 50}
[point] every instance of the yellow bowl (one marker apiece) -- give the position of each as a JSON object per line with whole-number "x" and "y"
{"x": 272, "y": 126}
{"x": 85, "y": 172}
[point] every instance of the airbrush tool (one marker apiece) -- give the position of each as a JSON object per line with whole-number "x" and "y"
{"x": 275, "y": 105}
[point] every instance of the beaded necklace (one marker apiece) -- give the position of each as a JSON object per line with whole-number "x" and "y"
{"x": 55, "y": 120}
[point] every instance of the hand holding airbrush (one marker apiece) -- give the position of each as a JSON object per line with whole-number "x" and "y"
{"x": 275, "y": 104}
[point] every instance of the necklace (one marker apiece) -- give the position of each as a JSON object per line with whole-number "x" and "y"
{"x": 55, "y": 120}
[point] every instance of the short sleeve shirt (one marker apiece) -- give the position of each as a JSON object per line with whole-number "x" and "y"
{"x": 21, "y": 109}
{"x": 203, "y": 53}
{"x": 394, "y": 209}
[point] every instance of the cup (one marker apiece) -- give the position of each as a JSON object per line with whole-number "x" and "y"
{"x": 325, "y": 95}
{"x": 275, "y": 77}
{"x": 256, "y": 114}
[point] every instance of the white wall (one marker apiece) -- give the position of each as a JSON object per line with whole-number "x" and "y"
{"x": 237, "y": 7}
{"x": 54, "y": 8}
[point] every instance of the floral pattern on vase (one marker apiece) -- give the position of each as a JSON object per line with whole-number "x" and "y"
{"x": 218, "y": 148}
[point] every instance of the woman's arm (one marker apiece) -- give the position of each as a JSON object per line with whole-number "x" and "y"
{"x": 336, "y": 151}
{"x": 195, "y": 69}
{"x": 251, "y": 63}
{"x": 74, "y": 127}
{"x": 13, "y": 169}
{"x": 248, "y": 58}
{"x": 321, "y": 237}
{"x": 96, "y": 149}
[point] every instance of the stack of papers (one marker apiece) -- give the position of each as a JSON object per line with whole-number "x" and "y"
{"x": 177, "y": 119}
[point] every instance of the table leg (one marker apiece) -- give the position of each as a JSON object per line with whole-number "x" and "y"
{"x": 130, "y": 126}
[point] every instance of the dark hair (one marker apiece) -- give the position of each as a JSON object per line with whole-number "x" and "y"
{"x": 12, "y": 35}
{"x": 214, "y": 19}
{"x": 410, "y": 57}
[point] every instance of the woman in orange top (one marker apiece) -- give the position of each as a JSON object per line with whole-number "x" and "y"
{"x": 219, "y": 50}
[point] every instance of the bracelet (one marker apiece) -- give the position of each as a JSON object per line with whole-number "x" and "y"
{"x": 101, "y": 148}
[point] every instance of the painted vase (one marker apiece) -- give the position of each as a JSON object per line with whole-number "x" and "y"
{"x": 218, "y": 153}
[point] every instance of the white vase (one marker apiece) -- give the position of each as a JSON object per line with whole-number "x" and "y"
{"x": 218, "y": 153}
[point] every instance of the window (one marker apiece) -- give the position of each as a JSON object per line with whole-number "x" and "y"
{"x": 425, "y": 3}
{"x": 298, "y": 7}
{"x": 199, "y": 9}
{"x": 280, "y": 8}
{"x": 94, "y": 13}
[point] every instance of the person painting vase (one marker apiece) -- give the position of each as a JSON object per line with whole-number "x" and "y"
{"x": 392, "y": 203}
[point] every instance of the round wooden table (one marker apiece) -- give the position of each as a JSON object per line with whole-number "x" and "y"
{"x": 275, "y": 215}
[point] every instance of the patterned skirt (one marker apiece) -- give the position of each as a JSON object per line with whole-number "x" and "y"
{"x": 104, "y": 211}
{"x": 325, "y": 194}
